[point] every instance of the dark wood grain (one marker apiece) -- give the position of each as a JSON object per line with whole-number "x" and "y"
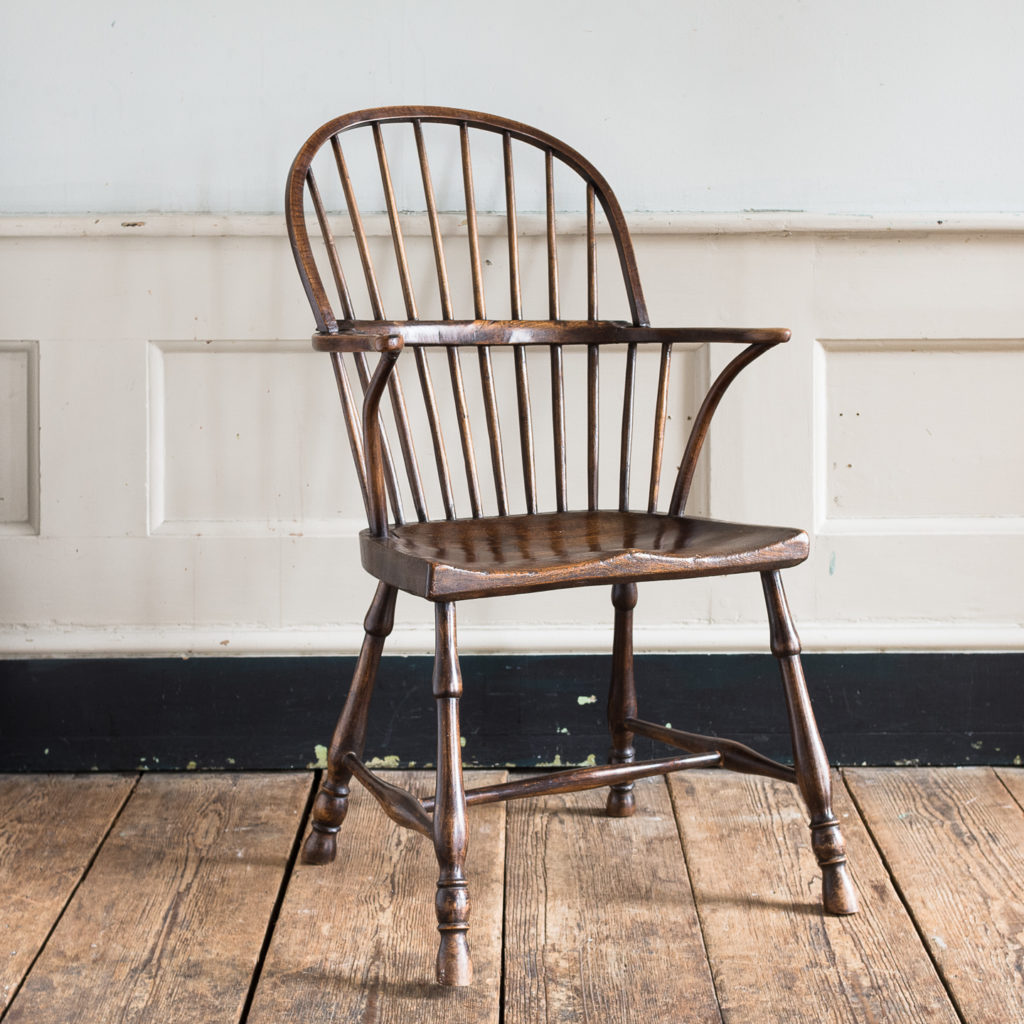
{"x": 813, "y": 777}
{"x": 396, "y": 225}
{"x": 775, "y": 956}
{"x": 371, "y": 335}
{"x": 494, "y": 552}
{"x": 525, "y": 427}
{"x": 169, "y": 923}
{"x": 593, "y": 428}
{"x": 435, "y": 225}
{"x": 622, "y": 697}
{"x": 575, "y": 780}
{"x": 383, "y": 463}
{"x": 954, "y": 840}
{"x": 660, "y": 412}
{"x": 465, "y": 431}
{"x": 626, "y": 436}
{"x": 493, "y": 429}
{"x": 451, "y": 830}
{"x": 356, "y": 220}
{"x": 331, "y": 804}
{"x": 736, "y": 756}
{"x": 591, "y": 903}
{"x": 516, "y": 554}
{"x": 444, "y": 477}
{"x": 551, "y": 234}
{"x": 479, "y": 307}
{"x": 44, "y": 853}
{"x": 515, "y": 289}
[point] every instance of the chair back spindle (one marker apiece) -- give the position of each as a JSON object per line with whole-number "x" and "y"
{"x": 361, "y": 175}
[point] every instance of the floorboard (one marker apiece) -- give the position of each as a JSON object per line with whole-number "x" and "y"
{"x": 52, "y": 827}
{"x": 169, "y": 922}
{"x": 954, "y": 840}
{"x": 774, "y": 953}
{"x": 600, "y": 922}
{"x": 175, "y": 898}
{"x": 356, "y": 939}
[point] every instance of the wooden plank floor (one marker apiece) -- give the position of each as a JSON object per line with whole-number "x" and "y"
{"x": 177, "y": 898}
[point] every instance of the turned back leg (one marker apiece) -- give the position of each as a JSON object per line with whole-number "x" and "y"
{"x": 622, "y": 698}
{"x": 809, "y": 758}
{"x": 331, "y": 804}
{"x": 451, "y": 831}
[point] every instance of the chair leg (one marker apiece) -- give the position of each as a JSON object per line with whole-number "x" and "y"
{"x": 622, "y": 698}
{"x": 331, "y": 804}
{"x": 451, "y": 831}
{"x": 812, "y": 771}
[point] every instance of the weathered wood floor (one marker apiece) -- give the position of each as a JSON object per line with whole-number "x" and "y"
{"x": 175, "y": 898}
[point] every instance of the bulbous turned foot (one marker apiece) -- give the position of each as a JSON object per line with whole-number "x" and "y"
{"x": 454, "y": 966}
{"x": 837, "y": 892}
{"x": 621, "y": 803}
{"x": 329, "y": 810}
{"x": 320, "y": 847}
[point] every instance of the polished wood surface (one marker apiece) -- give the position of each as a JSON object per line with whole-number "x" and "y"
{"x": 516, "y": 554}
{"x": 496, "y": 547}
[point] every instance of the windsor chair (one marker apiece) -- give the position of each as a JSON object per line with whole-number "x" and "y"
{"x": 509, "y": 542}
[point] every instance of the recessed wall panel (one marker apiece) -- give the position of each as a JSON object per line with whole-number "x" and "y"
{"x": 247, "y": 438}
{"x": 923, "y": 429}
{"x": 19, "y": 464}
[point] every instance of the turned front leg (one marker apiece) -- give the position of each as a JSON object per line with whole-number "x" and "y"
{"x": 622, "y": 698}
{"x": 809, "y": 760}
{"x": 331, "y": 804}
{"x": 451, "y": 831}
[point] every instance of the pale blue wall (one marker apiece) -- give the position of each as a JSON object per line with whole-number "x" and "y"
{"x": 823, "y": 105}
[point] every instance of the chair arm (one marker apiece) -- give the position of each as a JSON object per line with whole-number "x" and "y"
{"x": 377, "y": 508}
{"x": 372, "y": 336}
{"x": 760, "y": 336}
{"x": 356, "y": 341}
{"x": 702, "y": 421}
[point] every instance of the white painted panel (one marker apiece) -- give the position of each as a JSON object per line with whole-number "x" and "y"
{"x": 276, "y": 568}
{"x": 248, "y": 437}
{"x": 923, "y": 429}
{"x": 19, "y": 462}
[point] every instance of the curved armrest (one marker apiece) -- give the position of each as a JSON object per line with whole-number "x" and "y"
{"x": 760, "y": 336}
{"x": 377, "y": 508}
{"x": 702, "y": 421}
{"x": 375, "y": 335}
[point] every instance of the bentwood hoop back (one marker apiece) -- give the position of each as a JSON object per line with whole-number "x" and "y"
{"x": 526, "y": 521}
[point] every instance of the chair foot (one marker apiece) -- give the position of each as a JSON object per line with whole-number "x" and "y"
{"x": 320, "y": 847}
{"x": 454, "y": 965}
{"x": 329, "y": 810}
{"x": 620, "y": 804}
{"x": 838, "y": 895}
{"x": 837, "y": 892}
{"x": 621, "y": 801}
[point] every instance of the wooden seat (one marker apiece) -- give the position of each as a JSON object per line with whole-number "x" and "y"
{"x": 455, "y": 510}
{"x": 444, "y": 560}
